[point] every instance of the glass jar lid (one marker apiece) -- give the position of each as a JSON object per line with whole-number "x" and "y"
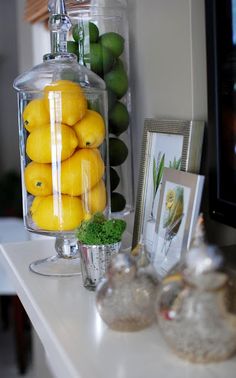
{"x": 58, "y": 66}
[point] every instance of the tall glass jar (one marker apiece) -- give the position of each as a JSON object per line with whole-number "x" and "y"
{"x": 100, "y": 39}
{"x": 63, "y": 147}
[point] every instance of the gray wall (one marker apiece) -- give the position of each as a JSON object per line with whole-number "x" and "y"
{"x": 24, "y": 39}
{"x": 15, "y": 57}
{"x": 9, "y": 155}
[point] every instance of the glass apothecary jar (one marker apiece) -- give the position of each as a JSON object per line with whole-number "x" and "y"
{"x": 100, "y": 39}
{"x": 63, "y": 147}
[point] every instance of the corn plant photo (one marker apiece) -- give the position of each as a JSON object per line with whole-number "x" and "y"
{"x": 178, "y": 210}
{"x": 173, "y": 216}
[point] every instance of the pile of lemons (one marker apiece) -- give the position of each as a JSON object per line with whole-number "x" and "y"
{"x": 65, "y": 169}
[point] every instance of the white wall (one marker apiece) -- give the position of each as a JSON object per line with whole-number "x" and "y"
{"x": 167, "y": 60}
{"x": 168, "y": 72}
{"x": 40, "y": 42}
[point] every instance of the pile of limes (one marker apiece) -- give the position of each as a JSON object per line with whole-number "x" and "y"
{"x": 65, "y": 169}
{"x": 101, "y": 53}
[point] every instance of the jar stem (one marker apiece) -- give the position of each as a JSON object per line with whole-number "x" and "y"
{"x": 66, "y": 247}
{"x": 59, "y": 25}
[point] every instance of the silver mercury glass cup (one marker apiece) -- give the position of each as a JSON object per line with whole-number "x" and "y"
{"x": 95, "y": 260}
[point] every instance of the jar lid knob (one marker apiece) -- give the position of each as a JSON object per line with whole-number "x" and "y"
{"x": 202, "y": 257}
{"x": 59, "y": 25}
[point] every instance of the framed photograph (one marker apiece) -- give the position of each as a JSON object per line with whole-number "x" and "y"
{"x": 173, "y": 144}
{"x": 178, "y": 209}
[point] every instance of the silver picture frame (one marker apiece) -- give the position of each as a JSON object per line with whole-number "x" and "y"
{"x": 177, "y": 137}
{"x": 178, "y": 210}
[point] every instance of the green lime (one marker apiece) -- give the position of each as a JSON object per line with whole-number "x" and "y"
{"x": 114, "y": 179}
{"x": 94, "y": 105}
{"x": 111, "y": 99}
{"x": 100, "y": 59}
{"x": 118, "y": 65}
{"x": 118, "y": 119}
{"x": 93, "y": 32}
{"x": 118, "y": 151}
{"x": 118, "y": 202}
{"x": 117, "y": 81}
{"x": 72, "y": 47}
{"x": 75, "y": 32}
{"x": 94, "y": 58}
{"x": 108, "y": 59}
{"x": 114, "y": 42}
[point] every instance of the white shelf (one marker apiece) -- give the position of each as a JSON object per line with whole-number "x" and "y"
{"x": 11, "y": 230}
{"x": 77, "y": 342}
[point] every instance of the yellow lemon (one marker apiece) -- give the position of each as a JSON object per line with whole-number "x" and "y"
{"x": 35, "y": 203}
{"x": 66, "y": 101}
{"x": 58, "y": 213}
{"x": 51, "y": 144}
{"x": 90, "y": 130}
{"x": 87, "y": 216}
{"x": 81, "y": 171}
{"x": 38, "y": 179}
{"x": 63, "y": 85}
{"x": 96, "y": 199}
{"x": 35, "y": 114}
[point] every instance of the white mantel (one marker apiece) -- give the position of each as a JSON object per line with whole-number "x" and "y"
{"x": 78, "y": 344}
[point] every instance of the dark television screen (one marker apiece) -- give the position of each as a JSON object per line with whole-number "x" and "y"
{"x": 221, "y": 73}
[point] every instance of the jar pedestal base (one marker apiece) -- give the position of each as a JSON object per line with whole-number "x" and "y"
{"x": 66, "y": 261}
{"x": 57, "y": 266}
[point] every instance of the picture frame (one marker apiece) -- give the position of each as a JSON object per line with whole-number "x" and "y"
{"x": 180, "y": 141}
{"x": 177, "y": 214}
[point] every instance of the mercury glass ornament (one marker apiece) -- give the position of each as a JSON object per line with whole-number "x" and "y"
{"x": 126, "y": 297}
{"x": 192, "y": 306}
